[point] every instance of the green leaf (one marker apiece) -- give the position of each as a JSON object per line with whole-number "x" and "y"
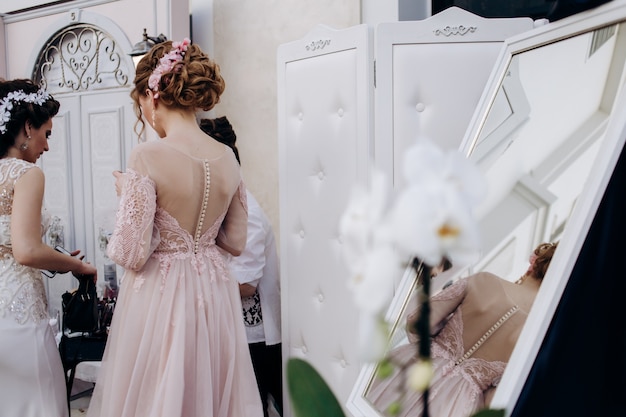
{"x": 309, "y": 393}
{"x": 489, "y": 413}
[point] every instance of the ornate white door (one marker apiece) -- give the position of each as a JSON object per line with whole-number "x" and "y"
{"x": 92, "y": 136}
{"x": 91, "y": 76}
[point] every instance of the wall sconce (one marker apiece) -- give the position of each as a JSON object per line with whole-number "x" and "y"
{"x": 142, "y": 48}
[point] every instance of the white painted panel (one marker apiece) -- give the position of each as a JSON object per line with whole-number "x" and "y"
{"x": 324, "y": 85}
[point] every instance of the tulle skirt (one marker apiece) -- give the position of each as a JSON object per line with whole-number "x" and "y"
{"x": 177, "y": 348}
{"x": 451, "y": 394}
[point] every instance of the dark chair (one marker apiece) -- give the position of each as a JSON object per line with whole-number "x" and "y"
{"x": 80, "y": 348}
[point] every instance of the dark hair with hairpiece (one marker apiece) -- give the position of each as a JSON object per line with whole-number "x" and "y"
{"x": 22, "y": 112}
{"x": 543, "y": 253}
{"x": 195, "y": 82}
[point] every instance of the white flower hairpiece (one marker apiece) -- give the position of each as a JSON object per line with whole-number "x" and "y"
{"x": 167, "y": 63}
{"x": 6, "y": 104}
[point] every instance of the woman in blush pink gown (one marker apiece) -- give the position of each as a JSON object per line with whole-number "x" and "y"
{"x": 475, "y": 324}
{"x": 177, "y": 345}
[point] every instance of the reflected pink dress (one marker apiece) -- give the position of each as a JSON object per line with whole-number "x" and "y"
{"x": 460, "y": 378}
{"x": 177, "y": 345}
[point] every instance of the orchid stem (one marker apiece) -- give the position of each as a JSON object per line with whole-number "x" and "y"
{"x": 422, "y": 325}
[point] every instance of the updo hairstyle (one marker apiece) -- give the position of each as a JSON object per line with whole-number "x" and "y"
{"x": 544, "y": 253}
{"x": 22, "y": 111}
{"x": 193, "y": 83}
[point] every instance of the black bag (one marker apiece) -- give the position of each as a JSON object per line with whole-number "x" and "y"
{"x": 80, "y": 307}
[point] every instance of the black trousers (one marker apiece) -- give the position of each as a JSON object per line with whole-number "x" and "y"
{"x": 267, "y": 363}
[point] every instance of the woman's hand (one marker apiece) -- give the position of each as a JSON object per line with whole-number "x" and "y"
{"x": 72, "y": 253}
{"x": 86, "y": 270}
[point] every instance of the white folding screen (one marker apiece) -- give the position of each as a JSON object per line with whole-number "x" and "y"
{"x": 430, "y": 75}
{"x": 324, "y": 118}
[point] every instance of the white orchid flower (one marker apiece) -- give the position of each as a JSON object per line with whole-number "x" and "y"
{"x": 433, "y": 221}
{"x": 373, "y": 337}
{"x": 359, "y": 221}
{"x": 373, "y": 285}
{"x": 426, "y": 163}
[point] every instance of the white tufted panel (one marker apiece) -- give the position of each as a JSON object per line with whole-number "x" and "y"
{"x": 430, "y": 75}
{"x": 324, "y": 107}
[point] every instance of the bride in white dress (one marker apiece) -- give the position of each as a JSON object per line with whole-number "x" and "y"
{"x": 32, "y": 383}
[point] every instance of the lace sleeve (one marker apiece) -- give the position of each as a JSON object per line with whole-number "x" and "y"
{"x": 233, "y": 232}
{"x": 444, "y": 303}
{"x": 133, "y": 239}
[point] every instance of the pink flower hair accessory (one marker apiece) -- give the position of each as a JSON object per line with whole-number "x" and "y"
{"x": 167, "y": 63}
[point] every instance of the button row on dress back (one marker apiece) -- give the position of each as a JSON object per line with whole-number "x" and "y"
{"x": 487, "y": 334}
{"x": 205, "y": 200}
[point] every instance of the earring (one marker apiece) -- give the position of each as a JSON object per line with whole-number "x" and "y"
{"x": 24, "y": 146}
{"x": 153, "y": 118}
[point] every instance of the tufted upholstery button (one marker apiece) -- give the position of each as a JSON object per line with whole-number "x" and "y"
{"x": 302, "y": 234}
{"x": 304, "y": 349}
{"x": 300, "y": 116}
{"x": 320, "y": 298}
{"x": 340, "y": 112}
{"x": 343, "y": 363}
{"x": 420, "y": 107}
{"x": 320, "y": 175}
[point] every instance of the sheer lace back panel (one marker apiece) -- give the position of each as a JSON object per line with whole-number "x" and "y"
{"x": 11, "y": 169}
{"x": 485, "y": 303}
{"x": 192, "y": 193}
{"x": 480, "y": 307}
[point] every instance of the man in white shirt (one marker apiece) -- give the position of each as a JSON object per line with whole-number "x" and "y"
{"x": 257, "y": 272}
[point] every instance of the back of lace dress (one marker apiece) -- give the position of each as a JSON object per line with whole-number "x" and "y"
{"x": 22, "y": 292}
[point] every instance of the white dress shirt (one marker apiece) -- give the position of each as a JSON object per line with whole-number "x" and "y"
{"x": 258, "y": 266}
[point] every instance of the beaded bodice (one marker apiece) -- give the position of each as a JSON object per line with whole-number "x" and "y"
{"x": 22, "y": 291}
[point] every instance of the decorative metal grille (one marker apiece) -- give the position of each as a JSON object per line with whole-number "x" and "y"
{"x": 79, "y": 58}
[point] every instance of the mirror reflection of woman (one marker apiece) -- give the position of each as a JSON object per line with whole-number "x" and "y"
{"x": 475, "y": 324}
{"x": 32, "y": 383}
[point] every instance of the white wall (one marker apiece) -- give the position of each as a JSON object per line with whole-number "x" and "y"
{"x": 246, "y": 36}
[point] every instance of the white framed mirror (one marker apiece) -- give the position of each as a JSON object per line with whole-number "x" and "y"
{"x": 545, "y": 133}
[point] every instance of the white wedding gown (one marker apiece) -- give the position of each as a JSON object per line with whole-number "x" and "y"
{"x": 31, "y": 375}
